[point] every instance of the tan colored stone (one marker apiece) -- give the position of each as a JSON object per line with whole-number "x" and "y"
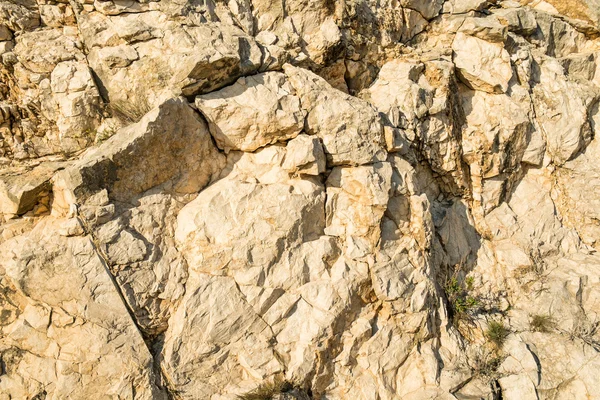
{"x": 349, "y": 128}
{"x": 252, "y": 113}
{"x": 482, "y": 65}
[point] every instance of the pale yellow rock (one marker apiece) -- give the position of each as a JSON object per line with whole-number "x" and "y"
{"x": 304, "y": 155}
{"x": 584, "y": 10}
{"x": 384, "y": 167}
{"x": 137, "y": 147}
{"x": 48, "y": 276}
{"x": 356, "y": 200}
{"x": 482, "y": 65}
{"x": 349, "y": 128}
{"x": 562, "y": 108}
{"x": 254, "y": 112}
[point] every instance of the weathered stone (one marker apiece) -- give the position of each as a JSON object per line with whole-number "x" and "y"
{"x": 72, "y": 335}
{"x": 21, "y": 190}
{"x": 304, "y": 155}
{"x": 356, "y": 200}
{"x": 252, "y": 113}
{"x": 5, "y": 33}
{"x": 464, "y": 6}
{"x": 584, "y": 10}
{"x": 493, "y": 142}
{"x": 482, "y": 65}
{"x": 172, "y": 60}
{"x": 349, "y": 128}
{"x": 390, "y": 190}
{"x": 562, "y": 111}
{"x": 142, "y": 156}
{"x": 118, "y": 56}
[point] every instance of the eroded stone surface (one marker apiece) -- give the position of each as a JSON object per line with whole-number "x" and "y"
{"x": 342, "y": 200}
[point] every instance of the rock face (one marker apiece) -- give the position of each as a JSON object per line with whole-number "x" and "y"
{"x": 372, "y": 200}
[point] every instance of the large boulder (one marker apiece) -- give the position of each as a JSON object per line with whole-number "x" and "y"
{"x": 170, "y": 144}
{"x": 65, "y": 331}
{"x": 140, "y": 59}
{"x": 255, "y": 111}
{"x": 482, "y": 65}
{"x": 350, "y": 129}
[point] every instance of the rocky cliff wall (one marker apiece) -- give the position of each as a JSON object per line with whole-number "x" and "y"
{"x": 356, "y": 199}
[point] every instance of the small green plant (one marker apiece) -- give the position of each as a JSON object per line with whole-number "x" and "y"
{"x": 267, "y": 390}
{"x": 496, "y": 333}
{"x": 108, "y": 131}
{"x": 461, "y": 302}
{"x": 540, "y": 323}
{"x": 470, "y": 282}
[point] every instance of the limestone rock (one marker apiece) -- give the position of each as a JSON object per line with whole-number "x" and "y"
{"x": 21, "y": 190}
{"x": 66, "y": 302}
{"x": 349, "y": 128}
{"x": 78, "y": 102}
{"x": 20, "y": 15}
{"x": 356, "y": 200}
{"x": 578, "y": 194}
{"x": 254, "y": 112}
{"x": 304, "y": 155}
{"x": 563, "y": 111}
{"x": 584, "y": 10}
{"x": 501, "y": 136}
{"x": 417, "y": 97}
{"x": 172, "y": 60}
{"x": 122, "y": 164}
{"x": 464, "y": 6}
{"x": 482, "y": 65}
{"x": 368, "y": 199}
{"x": 208, "y": 247}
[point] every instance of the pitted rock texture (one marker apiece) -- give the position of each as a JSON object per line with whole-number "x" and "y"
{"x": 309, "y": 199}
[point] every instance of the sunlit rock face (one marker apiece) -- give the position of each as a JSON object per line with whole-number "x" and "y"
{"x": 308, "y": 199}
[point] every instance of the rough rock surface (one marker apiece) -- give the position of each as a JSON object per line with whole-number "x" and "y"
{"x": 357, "y": 199}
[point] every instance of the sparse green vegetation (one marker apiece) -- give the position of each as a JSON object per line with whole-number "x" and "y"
{"x": 460, "y": 301}
{"x": 540, "y": 323}
{"x": 470, "y": 281}
{"x": 496, "y": 333}
{"x": 267, "y": 390}
{"x": 106, "y": 133}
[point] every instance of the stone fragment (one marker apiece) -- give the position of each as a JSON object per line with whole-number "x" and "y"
{"x": 494, "y": 141}
{"x": 428, "y": 9}
{"x": 518, "y": 20}
{"x": 143, "y": 156}
{"x": 172, "y": 60}
{"x": 254, "y": 112}
{"x": 562, "y": 108}
{"x": 482, "y": 65}
{"x": 251, "y": 219}
{"x": 349, "y": 128}
{"x": 118, "y": 56}
{"x": 5, "y": 33}
{"x": 304, "y": 155}
{"x": 464, "y": 6}
{"x": 20, "y": 191}
{"x": 488, "y": 29}
{"x": 356, "y": 200}
{"x": 587, "y": 11}
{"x": 73, "y": 335}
